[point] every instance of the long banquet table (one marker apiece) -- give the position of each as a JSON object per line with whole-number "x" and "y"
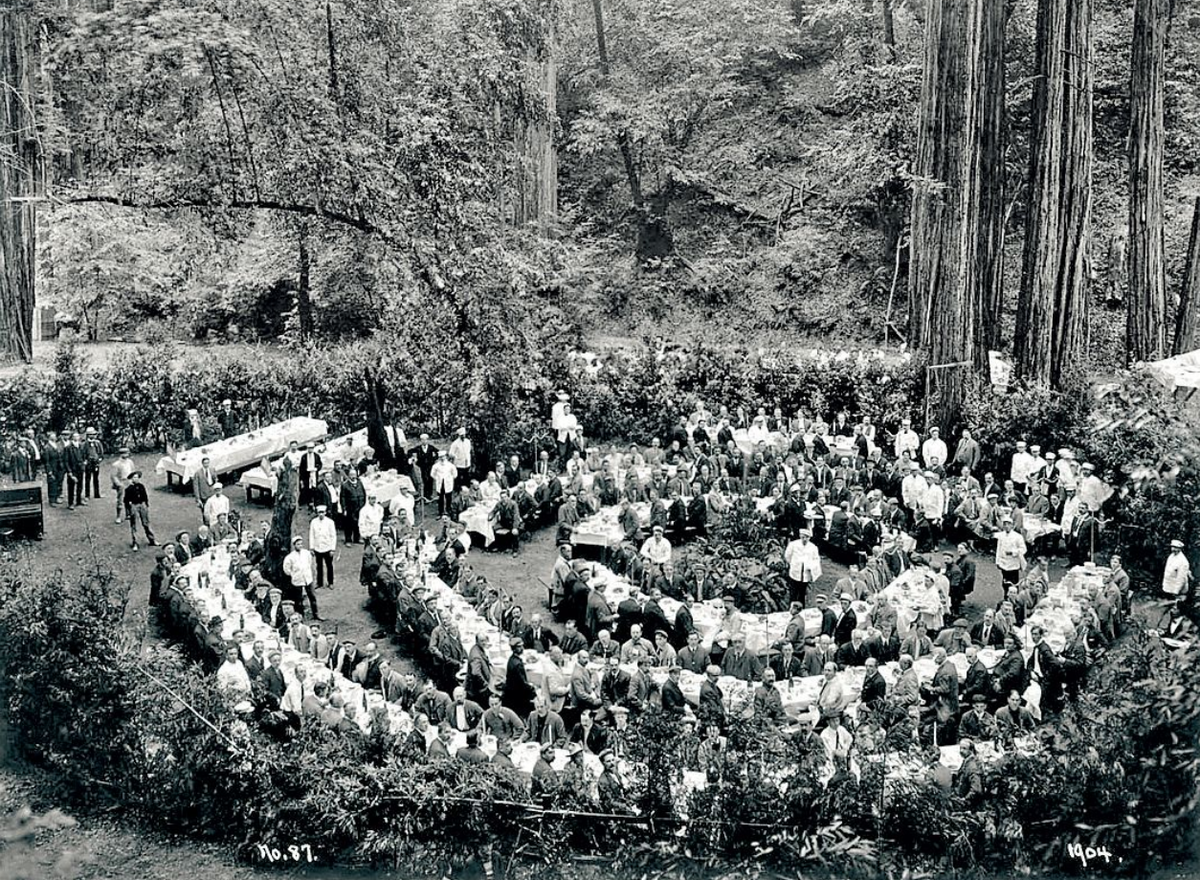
{"x": 242, "y": 451}
{"x": 351, "y": 449}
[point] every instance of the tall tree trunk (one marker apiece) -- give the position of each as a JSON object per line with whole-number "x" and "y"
{"x": 304, "y": 310}
{"x": 537, "y": 152}
{"x": 1052, "y": 308}
{"x": 1146, "y": 304}
{"x": 279, "y": 539}
{"x": 889, "y": 30}
{"x": 377, "y": 434}
{"x": 654, "y": 234}
{"x": 957, "y": 217}
{"x": 1187, "y": 319}
{"x": 20, "y": 178}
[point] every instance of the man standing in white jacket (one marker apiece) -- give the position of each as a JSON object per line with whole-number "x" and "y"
{"x": 443, "y": 474}
{"x": 298, "y": 569}
{"x": 322, "y": 540}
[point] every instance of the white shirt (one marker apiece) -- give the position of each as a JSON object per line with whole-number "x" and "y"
{"x": 298, "y": 565}
{"x": 933, "y": 502}
{"x": 444, "y": 473}
{"x": 568, "y": 428}
{"x": 804, "y": 561}
{"x": 1093, "y": 491}
{"x": 1175, "y": 575}
{"x": 370, "y": 520}
{"x": 460, "y": 453}
{"x": 912, "y": 489}
{"x": 934, "y": 447}
{"x": 1010, "y": 551}
{"x": 322, "y": 535}
{"x": 906, "y": 438}
{"x": 657, "y": 550}
{"x": 489, "y": 492}
{"x": 233, "y": 677}
{"x": 1070, "y": 510}
{"x": 556, "y": 415}
{"x": 1066, "y": 474}
{"x": 1022, "y": 465}
{"x": 401, "y": 504}
{"x": 758, "y": 433}
{"x": 292, "y": 698}
{"x": 215, "y": 505}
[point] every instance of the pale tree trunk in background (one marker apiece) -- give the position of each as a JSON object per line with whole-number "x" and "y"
{"x": 304, "y": 311}
{"x": 957, "y": 240}
{"x": 20, "y": 179}
{"x": 537, "y": 153}
{"x": 1146, "y": 304}
{"x": 1052, "y": 309}
{"x": 889, "y": 29}
{"x": 1187, "y": 319}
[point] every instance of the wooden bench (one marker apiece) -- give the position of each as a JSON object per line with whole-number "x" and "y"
{"x": 21, "y": 509}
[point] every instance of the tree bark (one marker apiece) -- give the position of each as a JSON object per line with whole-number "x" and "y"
{"x": 537, "y": 152}
{"x": 1187, "y": 319}
{"x": 1052, "y": 307}
{"x": 958, "y": 212}
{"x": 20, "y": 179}
{"x": 1146, "y": 304}
{"x": 279, "y": 539}
{"x": 889, "y": 30}
{"x": 304, "y": 310}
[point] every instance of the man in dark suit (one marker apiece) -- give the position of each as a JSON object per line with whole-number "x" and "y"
{"x": 855, "y": 652}
{"x": 464, "y": 714}
{"x": 73, "y": 462}
{"x": 847, "y": 622}
{"x": 692, "y": 656}
{"x": 614, "y": 685}
{"x": 426, "y": 454}
{"x": 256, "y": 664}
{"x": 978, "y": 680}
{"x": 874, "y": 688}
{"x": 684, "y": 623}
{"x": 1045, "y": 668}
{"x": 712, "y": 700}
{"x": 986, "y": 634}
{"x": 353, "y": 499}
{"x": 944, "y": 686}
{"x": 54, "y": 458}
{"x": 673, "y": 701}
{"x": 536, "y": 637}
{"x": 654, "y": 619}
{"x": 433, "y": 704}
{"x": 787, "y": 665}
{"x": 828, "y": 616}
{"x": 272, "y": 679}
{"x": 518, "y": 692}
{"x": 310, "y": 468}
{"x": 629, "y": 612}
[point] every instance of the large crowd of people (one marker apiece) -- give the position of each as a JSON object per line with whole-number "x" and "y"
{"x": 881, "y": 505}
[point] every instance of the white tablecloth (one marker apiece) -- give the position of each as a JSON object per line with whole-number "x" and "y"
{"x": 1038, "y": 526}
{"x": 351, "y": 449}
{"x": 477, "y": 519}
{"x": 385, "y": 485}
{"x": 243, "y": 450}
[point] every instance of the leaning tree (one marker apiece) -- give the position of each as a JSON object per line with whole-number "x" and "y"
{"x": 955, "y": 281}
{"x": 279, "y": 539}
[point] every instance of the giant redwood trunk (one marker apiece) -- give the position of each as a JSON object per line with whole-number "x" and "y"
{"x": 1052, "y": 308}
{"x": 1187, "y": 319}
{"x": 537, "y": 153}
{"x": 20, "y": 178}
{"x": 955, "y": 275}
{"x": 1146, "y": 304}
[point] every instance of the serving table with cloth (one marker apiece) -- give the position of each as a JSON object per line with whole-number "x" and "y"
{"x": 349, "y": 449}
{"x": 242, "y": 451}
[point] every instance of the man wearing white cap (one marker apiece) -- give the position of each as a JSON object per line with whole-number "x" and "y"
{"x": 933, "y": 450}
{"x": 1177, "y": 574}
{"x": 122, "y": 467}
{"x": 1022, "y": 464}
{"x": 322, "y": 540}
{"x": 443, "y": 474}
{"x": 217, "y": 503}
{"x": 907, "y": 440}
{"x": 1092, "y": 490}
{"x": 1010, "y": 552}
{"x": 462, "y": 454}
{"x": 1067, "y": 478}
{"x": 804, "y": 565}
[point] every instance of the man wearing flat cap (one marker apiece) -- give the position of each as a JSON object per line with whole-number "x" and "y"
{"x": 954, "y": 638}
